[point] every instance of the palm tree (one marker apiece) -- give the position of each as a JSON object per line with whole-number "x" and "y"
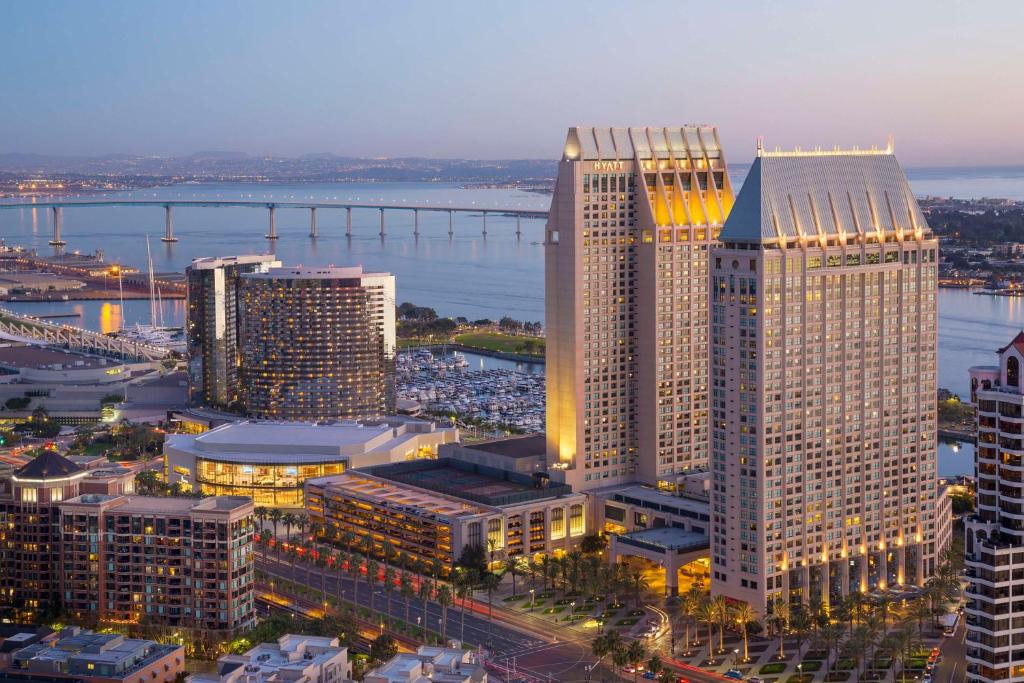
{"x": 688, "y": 606}
{"x": 801, "y": 624}
{"x": 463, "y": 583}
{"x": 708, "y": 615}
{"x": 426, "y": 589}
{"x": 354, "y": 566}
{"x": 831, "y": 636}
{"x": 743, "y": 614}
{"x": 514, "y": 567}
{"x": 289, "y": 519}
{"x": 275, "y": 516}
{"x": 606, "y": 643}
{"x": 901, "y": 644}
{"x": 654, "y": 665}
{"x": 635, "y": 653}
{"x": 489, "y": 582}
{"x": 389, "y": 587}
{"x": 778, "y": 621}
{"x": 444, "y": 599}
{"x": 858, "y": 604}
{"x": 920, "y": 611}
{"x": 408, "y": 592}
{"x": 372, "y": 568}
{"x": 721, "y": 607}
{"x": 638, "y": 583}
{"x": 546, "y": 563}
{"x": 862, "y": 639}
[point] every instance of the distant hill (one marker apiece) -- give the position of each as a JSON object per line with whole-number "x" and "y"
{"x": 322, "y": 167}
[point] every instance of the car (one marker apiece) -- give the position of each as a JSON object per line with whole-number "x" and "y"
{"x": 755, "y": 679}
{"x": 735, "y": 674}
{"x": 649, "y": 675}
{"x": 682, "y": 680}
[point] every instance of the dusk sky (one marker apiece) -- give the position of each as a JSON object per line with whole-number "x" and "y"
{"x": 504, "y": 80}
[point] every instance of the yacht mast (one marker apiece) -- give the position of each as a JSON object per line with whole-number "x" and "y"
{"x": 152, "y": 293}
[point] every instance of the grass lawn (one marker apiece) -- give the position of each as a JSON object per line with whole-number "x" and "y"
{"x": 575, "y": 617}
{"x": 507, "y": 343}
{"x": 837, "y": 676}
{"x": 627, "y": 622}
{"x": 636, "y": 612}
{"x": 845, "y": 664}
{"x": 513, "y": 598}
{"x": 554, "y": 610}
{"x": 772, "y": 668}
{"x": 811, "y": 666}
{"x": 800, "y": 678}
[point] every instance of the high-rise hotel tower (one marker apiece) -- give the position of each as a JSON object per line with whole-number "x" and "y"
{"x": 634, "y": 213}
{"x": 823, "y": 386}
{"x": 317, "y": 343}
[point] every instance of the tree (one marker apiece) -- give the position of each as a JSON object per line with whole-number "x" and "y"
{"x": 638, "y": 583}
{"x": 708, "y": 615}
{"x": 473, "y": 557}
{"x": 920, "y": 610}
{"x": 408, "y": 592}
{"x": 654, "y": 665}
{"x": 743, "y": 614}
{"x": 594, "y": 543}
{"x": 721, "y": 606}
{"x": 383, "y": 648}
{"x": 389, "y": 587}
{"x": 489, "y": 582}
{"x": 444, "y": 599}
{"x": 514, "y": 566}
{"x": 425, "y": 591}
{"x": 464, "y": 580}
{"x": 778, "y": 621}
{"x": 688, "y": 605}
{"x": 635, "y": 653}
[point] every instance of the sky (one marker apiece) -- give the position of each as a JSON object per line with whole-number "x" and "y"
{"x": 505, "y": 79}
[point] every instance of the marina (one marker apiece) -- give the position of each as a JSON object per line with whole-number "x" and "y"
{"x": 443, "y": 383}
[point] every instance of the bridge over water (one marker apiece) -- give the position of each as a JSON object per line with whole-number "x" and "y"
{"x": 271, "y": 206}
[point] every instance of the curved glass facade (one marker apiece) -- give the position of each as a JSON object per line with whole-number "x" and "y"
{"x": 268, "y": 484}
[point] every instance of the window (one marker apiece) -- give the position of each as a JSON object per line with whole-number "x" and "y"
{"x": 29, "y": 495}
{"x": 576, "y": 525}
{"x": 495, "y": 535}
{"x": 474, "y": 534}
{"x": 1013, "y": 371}
{"x": 557, "y": 524}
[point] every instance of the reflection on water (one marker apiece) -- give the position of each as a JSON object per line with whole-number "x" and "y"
{"x": 110, "y": 317}
{"x": 955, "y": 458}
{"x": 971, "y": 328}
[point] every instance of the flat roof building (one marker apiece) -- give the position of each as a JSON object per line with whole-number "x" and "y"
{"x": 212, "y": 327}
{"x": 432, "y": 509}
{"x": 430, "y": 663}
{"x": 77, "y": 654}
{"x": 179, "y": 563}
{"x": 270, "y": 461}
{"x": 292, "y": 659}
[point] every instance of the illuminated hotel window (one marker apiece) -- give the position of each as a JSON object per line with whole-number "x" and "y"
{"x": 576, "y": 526}
{"x": 495, "y": 537}
{"x": 557, "y": 524}
{"x": 29, "y": 495}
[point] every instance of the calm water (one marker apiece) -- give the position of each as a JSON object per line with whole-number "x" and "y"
{"x": 467, "y": 275}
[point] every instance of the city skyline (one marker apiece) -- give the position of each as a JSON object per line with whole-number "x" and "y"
{"x": 395, "y": 79}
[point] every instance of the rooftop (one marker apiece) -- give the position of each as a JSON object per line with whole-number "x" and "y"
{"x": 313, "y": 273}
{"x": 212, "y": 262}
{"x": 77, "y": 652}
{"x": 667, "y": 538}
{"x": 529, "y": 446}
{"x": 298, "y": 442}
{"x": 162, "y": 505}
{"x": 396, "y": 495}
{"x": 594, "y": 143}
{"x": 48, "y": 465}
{"x": 470, "y": 481}
{"x": 822, "y": 194}
{"x": 15, "y": 355}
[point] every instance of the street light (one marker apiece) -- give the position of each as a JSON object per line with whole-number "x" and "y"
{"x": 532, "y": 598}
{"x": 572, "y": 610}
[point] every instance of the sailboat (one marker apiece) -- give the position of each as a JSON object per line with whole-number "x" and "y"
{"x": 155, "y": 333}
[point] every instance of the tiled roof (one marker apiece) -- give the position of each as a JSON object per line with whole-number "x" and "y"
{"x": 47, "y": 465}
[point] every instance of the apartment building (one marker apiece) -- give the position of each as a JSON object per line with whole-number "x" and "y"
{"x": 994, "y": 542}
{"x": 823, "y": 382}
{"x": 175, "y": 562}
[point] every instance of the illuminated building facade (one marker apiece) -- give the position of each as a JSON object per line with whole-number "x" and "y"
{"x": 270, "y": 461}
{"x": 823, "y": 369}
{"x": 317, "y": 344}
{"x": 430, "y": 510}
{"x": 634, "y": 213}
{"x": 30, "y": 533}
{"x": 172, "y": 562}
{"x": 212, "y": 327}
{"x": 994, "y": 541}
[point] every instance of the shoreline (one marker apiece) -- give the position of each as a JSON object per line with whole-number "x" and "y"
{"x": 517, "y": 357}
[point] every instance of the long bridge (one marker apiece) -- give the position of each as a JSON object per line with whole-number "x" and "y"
{"x": 272, "y": 205}
{"x": 27, "y": 327}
